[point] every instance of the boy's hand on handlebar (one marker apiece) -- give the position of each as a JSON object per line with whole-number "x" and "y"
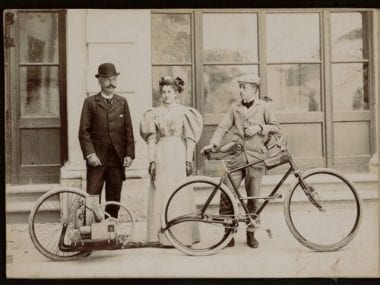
{"x": 208, "y": 148}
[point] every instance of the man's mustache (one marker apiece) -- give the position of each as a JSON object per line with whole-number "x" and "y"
{"x": 111, "y": 85}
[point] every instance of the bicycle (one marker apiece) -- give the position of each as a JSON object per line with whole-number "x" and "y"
{"x": 322, "y": 207}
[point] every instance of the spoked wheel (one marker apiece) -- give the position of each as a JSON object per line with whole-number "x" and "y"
{"x": 336, "y": 222}
{"x": 46, "y": 221}
{"x": 125, "y": 221}
{"x": 194, "y": 222}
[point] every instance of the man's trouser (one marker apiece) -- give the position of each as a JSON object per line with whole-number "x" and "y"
{"x": 112, "y": 173}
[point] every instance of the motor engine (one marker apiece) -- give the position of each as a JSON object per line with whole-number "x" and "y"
{"x": 90, "y": 222}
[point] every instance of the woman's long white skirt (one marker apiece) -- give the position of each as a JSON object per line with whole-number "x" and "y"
{"x": 170, "y": 156}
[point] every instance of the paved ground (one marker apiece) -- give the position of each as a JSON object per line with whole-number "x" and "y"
{"x": 280, "y": 256}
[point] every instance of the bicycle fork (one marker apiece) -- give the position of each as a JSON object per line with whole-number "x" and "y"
{"x": 309, "y": 190}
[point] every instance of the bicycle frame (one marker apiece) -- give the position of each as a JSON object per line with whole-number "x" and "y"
{"x": 292, "y": 169}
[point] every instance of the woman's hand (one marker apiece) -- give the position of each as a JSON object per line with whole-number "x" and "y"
{"x": 152, "y": 169}
{"x": 189, "y": 168}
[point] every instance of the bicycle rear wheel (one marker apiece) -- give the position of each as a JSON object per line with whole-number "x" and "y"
{"x": 204, "y": 227}
{"x": 46, "y": 221}
{"x": 336, "y": 223}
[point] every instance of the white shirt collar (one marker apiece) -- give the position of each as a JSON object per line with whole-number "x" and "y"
{"x": 106, "y": 96}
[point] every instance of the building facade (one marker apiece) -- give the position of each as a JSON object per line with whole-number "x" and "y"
{"x": 320, "y": 67}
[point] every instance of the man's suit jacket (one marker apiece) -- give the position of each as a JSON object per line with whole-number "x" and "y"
{"x": 238, "y": 117}
{"x": 102, "y": 125}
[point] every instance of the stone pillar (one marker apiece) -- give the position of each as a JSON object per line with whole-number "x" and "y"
{"x": 122, "y": 37}
{"x": 374, "y": 161}
{"x": 76, "y": 49}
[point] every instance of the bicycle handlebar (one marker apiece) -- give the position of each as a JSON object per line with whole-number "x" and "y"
{"x": 235, "y": 147}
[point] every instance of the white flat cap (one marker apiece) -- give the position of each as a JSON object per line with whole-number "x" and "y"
{"x": 249, "y": 78}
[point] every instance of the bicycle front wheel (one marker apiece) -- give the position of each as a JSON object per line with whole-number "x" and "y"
{"x": 207, "y": 223}
{"x": 46, "y": 222}
{"x": 330, "y": 218}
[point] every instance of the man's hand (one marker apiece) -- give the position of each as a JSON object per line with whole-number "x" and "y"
{"x": 128, "y": 161}
{"x": 207, "y": 148}
{"x": 189, "y": 168}
{"x": 93, "y": 160}
{"x": 252, "y": 130}
{"x": 152, "y": 169}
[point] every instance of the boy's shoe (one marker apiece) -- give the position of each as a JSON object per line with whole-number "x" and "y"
{"x": 251, "y": 241}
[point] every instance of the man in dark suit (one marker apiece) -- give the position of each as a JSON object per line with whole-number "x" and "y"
{"x": 106, "y": 138}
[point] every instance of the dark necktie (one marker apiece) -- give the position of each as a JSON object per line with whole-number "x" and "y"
{"x": 247, "y": 104}
{"x": 109, "y": 102}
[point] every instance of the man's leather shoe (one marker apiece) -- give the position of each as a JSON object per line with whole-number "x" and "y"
{"x": 231, "y": 243}
{"x": 251, "y": 241}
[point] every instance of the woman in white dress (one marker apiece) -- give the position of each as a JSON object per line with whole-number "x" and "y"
{"x": 171, "y": 132}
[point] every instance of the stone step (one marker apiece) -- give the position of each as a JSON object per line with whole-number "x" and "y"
{"x": 21, "y": 198}
{"x": 27, "y": 193}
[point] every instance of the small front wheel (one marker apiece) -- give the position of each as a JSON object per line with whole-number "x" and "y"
{"x": 328, "y": 219}
{"x": 124, "y": 220}
{"x": 196, "y": 219}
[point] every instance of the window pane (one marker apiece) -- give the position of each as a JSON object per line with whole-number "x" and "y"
{"x": 39, "y": 146}
{"x": 350, "y": 86}
{"x": 358, "y": 143}
{"x": 39, "y": 91}
{"x": 183, "y": 72}
{"x": 349, "y": 36}
{"x": 39, "y": 37}
{"x": 221, "y": 88}
{"x": 295, "y": 87}
{"x": 171, "y": 38}
{"x": 230, "y": 37}
{"x": 293, "y": 37}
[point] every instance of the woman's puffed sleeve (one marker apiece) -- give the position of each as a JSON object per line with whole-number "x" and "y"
{"x": 193, "y": 124}
{"x": 147, "y": 125}
{"x": 148, "y": 132}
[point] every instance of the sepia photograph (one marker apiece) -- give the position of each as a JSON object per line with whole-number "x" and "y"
{"x": 192, "y": 143}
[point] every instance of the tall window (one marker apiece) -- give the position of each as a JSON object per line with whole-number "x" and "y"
{"x": 230, "y": 48}
{"x": 294, "y": 81}
{"x": 172, "y": 53}
{"x": 350, "y": 88}
{"x": 39, "y": 65}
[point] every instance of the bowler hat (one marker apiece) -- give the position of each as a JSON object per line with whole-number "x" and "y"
{"x": 106, "y": 70}
{"x": 249, "y": 78}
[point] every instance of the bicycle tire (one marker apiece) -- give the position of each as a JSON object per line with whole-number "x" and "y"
{"x": 207, "y": 237}
{"x": 43, "y": 220}
{"x": 342, "y": 210}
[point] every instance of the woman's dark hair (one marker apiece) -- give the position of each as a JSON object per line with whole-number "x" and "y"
{"x": 177, "y": 83}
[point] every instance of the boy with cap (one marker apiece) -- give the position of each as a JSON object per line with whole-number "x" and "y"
{"x": 252, "y": 122}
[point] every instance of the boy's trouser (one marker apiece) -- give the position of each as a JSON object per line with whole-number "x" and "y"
{"x": 252, "y": 176}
